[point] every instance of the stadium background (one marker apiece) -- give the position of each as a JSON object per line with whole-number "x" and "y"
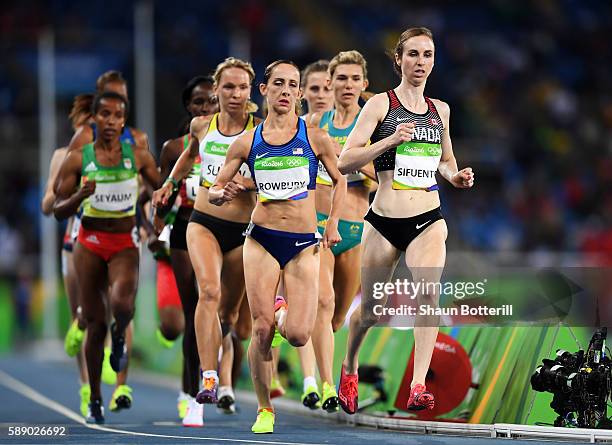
{"x": 531, "y": 106}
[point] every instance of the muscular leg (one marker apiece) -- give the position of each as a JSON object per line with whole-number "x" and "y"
{"x": 262, "y": 274}
{"x": 72, "y": 290}
{"x": 347, "y": 277}
{"x": 379, "y": 259}
{"x": 299, "y": 276}
{"x": 185, "y": 281}
{"x": 323, "y": 335}
{"x": 242, "y": 331}
{"x": 92, "y": 273}
{"x": 123, "y": 282}
{"x": 232, "y": 292}
{"x": 308, "y": 359}
{"x": 129, "y": 337}
{"x": 123, "y": 285}
{"x": 207, "y": 260}
{"x": 171, "y": 322}
{"x": 425, "y": 256}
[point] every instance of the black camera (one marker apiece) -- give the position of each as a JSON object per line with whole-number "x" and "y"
{"x": 580, "y": 383}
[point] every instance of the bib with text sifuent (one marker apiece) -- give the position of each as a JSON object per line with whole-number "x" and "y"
{"x": 416, "y": 164}
{"x": 282, "y": 178}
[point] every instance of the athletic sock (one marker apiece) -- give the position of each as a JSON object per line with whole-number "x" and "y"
{"x": 310, "y": 381}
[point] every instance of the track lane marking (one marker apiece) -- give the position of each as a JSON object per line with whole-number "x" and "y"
{"x": 19, "y": 387}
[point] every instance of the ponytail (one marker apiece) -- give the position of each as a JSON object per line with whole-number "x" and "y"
{"x": 81, "y": 110}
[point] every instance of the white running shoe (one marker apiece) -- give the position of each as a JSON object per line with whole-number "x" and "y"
{"x": 227, "y": 400}
{"x": 195, "y": 415}
{"x": 182, "y": 402}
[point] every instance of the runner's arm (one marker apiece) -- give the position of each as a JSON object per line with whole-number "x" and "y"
{"x": 184, "y": 164}
{"x": 327, "y": 155}
{"x": 225, "y": 188}
{"x": 356, "y": 152}
{"x": 49, "y": 198}
{"x": 68, "y": 196}
{"x": 448, "y": 164}
{"x": 171, "y": 151}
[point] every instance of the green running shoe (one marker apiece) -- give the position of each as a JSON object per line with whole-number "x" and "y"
{"x": 265, "y": 421}
{"x": 168, "y": 344}
{"x": 109, "y": 376}
{"x": 74, "y": 339}
{"x": 311, "y": 397}
{"x": 85, "y": 393}
{"x": 122, "y": 398}
{"x": 330, "y": 398}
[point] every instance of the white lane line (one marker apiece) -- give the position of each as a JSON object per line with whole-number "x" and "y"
{"x": 26, "y": 391}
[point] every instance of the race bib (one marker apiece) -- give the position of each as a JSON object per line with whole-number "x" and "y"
{"x": 115, "y": 196}
{"x": 212, "y": 161}
{"x": 322, "y": 175}
{"x": 192, "y": 184}
{"x": 416, "y": 164}
{"x": 282, "y": 178}
{"x": 76, "y": 225}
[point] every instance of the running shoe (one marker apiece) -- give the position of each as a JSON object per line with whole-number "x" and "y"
{"x": 276, "y": 389}
{"x": 227, "y": 400}
{"x": 330, "y": 398}
{"x": 95, "y": 412}
{"x": 195, "y": 414}
{"x": 208, "y": 393}
{"x": 85, "y": 394}
{"x": 420, "y": 398}
{"x": 279, "y": 305}
{"x": 311, "y": 397}
{"x": 182, "y": 401}
{"x": 74, "y": 339}
{"x": 168, "y": 344}
{"x": 118, "y": 356}
{"x": 109, "y": 376}
{"x": 348, "y": 393}
{"x": 264, "y": 422}
{"x": 122, "y": 399}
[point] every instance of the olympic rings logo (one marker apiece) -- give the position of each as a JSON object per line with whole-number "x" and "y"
{"x": 293, "y": 162}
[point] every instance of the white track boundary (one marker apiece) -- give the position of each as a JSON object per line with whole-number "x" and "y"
{"x": 30, "y": 393}
{"x": 497, "y": 430}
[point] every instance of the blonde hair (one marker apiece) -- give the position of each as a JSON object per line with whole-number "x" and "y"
{"x": 352, "y": 57}
{"x": 399, "y": 47}
{"x": 232, "y": 62}
{"x": 80, "y": 113}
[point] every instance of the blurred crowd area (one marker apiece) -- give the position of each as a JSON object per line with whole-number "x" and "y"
{"x": 529, "y": 85}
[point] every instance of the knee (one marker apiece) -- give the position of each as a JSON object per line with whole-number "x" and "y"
{"x": 298, "y": 339}
{"x": 209, "y": 293}
{"x": 96, "y": 330}
{"x": 243, "y": 331}
{"x": 326, "y": 304}
{"x": 263, "y": 332}
{"x": 170, "y": 331}
{"x": 427, "y": 298}
{"x": 337, "y": 323}
{"x": 122, "y": 307}
{"x": 367, "y": 318}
